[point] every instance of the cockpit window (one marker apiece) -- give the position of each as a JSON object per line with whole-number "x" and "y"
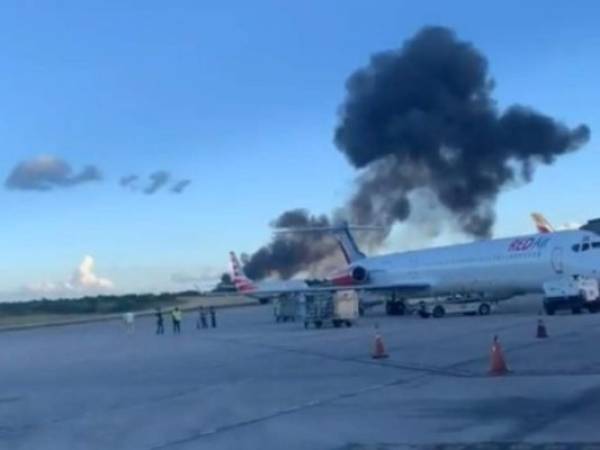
{"x": 575, "y": 248}
{"x": 585, "y": 247}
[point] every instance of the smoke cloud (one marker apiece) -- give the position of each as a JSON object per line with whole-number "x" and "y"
{"x": 288, "y": 254}
{"x": 45, "y": 173}
{"x": 420, "y": 122}
{"x": 423, "y": 117}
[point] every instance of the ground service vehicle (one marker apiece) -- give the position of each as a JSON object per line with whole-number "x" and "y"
{"x": 468, "y": 306}
{"x": 285, "y": 308}
{"x": 341, "y": 308}
{"x": 574, "y": 293}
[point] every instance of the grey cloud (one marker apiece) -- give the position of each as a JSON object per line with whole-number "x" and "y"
{"x": 157, "y": 180}
{"x": 45, "y": 173}
{"x": 128, "y": 181}
{"x": 180, "y": 186}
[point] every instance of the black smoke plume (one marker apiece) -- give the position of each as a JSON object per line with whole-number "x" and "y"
{"x": 422, "y": 117}
{"x": 288, "y": 254}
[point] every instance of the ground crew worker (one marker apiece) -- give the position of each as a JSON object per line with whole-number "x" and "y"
{"x": 213, "y": 317}
{"x": 201, "y": 318}
{"x": 160, "y": 328}
{"x": 176, "y": 316}
{"x": 128, "y": 318}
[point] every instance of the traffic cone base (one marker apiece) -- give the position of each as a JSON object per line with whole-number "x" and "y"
{"x": 541, "y": 330}
{"x": 379, "y": 350}
{"x": 498, "y": 364}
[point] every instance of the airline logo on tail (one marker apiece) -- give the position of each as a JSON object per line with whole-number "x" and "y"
{"x": 240, "y": 280}
{"x": 541, "y": 223}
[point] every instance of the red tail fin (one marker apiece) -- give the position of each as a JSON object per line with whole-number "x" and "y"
{"x": 242, "y": 283}
{"x": 542, "y": 225}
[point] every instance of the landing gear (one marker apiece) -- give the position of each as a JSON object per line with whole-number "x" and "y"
{"x": 395, "y": 306}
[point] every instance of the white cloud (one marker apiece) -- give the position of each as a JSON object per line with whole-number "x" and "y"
{"x": 85, "y": 278}
{"x": 83, "y": 281}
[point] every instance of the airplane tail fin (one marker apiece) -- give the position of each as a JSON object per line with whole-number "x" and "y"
{"x": 541, "y": 223}
{"x": 347, "y": 244}
{"x": 342, "y": 234}
{"x": 241, "y": 282}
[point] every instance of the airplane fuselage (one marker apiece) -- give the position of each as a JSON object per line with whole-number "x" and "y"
{"x": 501, "y": 267}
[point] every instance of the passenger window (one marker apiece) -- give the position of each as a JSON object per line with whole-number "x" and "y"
{"x": 575, "y": 248}
{"x": 585, "y": 247}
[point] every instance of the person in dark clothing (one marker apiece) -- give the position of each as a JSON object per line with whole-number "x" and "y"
{"x": 160, "y": 323}
{"x": 202, "y": 318}
{"x": 213, "y": 317}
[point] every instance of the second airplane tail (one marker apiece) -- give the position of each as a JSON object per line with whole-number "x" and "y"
{"x": 240, "y": 280}
{"x": 541, "y": 223}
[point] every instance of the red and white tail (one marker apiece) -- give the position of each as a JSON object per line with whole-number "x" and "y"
{"x": 242, "y": 283}
{"x": 541, "y": 223}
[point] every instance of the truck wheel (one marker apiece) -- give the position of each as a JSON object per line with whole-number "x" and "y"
{"x": 576, "y": 310}
{"x": 484, "y": 309}
{"x": 438, "y": 312}
{"x": 549, "y": 310}
{"x": 593, "y": 308}
{"x": 400, "y": 308}
{"x": 348, "y": 323}
{"x": 318, "y": 323}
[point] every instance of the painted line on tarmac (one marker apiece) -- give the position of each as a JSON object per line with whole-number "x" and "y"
{"x": 279, "y": 413}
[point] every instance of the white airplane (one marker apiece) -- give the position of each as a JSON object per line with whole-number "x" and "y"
{"x": 500, "y": 268}
{"x": 264, "y": 290}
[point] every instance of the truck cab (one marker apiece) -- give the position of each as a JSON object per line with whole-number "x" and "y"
{"x": 574, "y": 293}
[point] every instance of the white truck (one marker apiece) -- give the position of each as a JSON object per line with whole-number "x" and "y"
{"x": 452, "y": 305}
{"x": 574, "y": 293}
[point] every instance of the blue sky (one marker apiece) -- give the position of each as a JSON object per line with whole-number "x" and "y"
{"x": 241, "y": 98}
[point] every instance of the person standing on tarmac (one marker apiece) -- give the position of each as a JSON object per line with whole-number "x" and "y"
{"x": 213, "y": 317}
{"x": 160, "y": 322}
{"x": 176, "y": 316}
{"x": 201, "y": 318}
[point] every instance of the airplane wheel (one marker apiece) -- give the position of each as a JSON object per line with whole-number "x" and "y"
{"x": 318, "y": 323}
{"x": 549, "y": 310}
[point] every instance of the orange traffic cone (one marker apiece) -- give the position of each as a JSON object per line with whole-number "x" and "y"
{"x": 379, "y": 349}
{"x": 541, "y": 330}
{"x": 497, "y": 363}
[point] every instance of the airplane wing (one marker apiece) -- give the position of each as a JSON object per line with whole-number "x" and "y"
{"x": 404, "y": 288}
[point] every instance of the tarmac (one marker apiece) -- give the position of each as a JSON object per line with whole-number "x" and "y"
{"x": 255, "y": 384}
